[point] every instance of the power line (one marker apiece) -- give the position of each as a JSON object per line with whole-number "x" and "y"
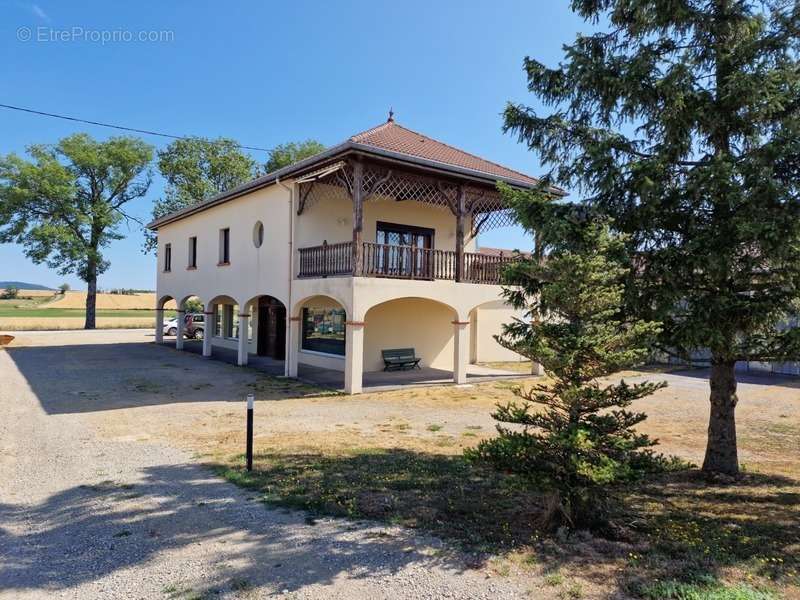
{"x": 122, "y": 128}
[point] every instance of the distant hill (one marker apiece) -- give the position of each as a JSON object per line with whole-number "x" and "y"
{"x": 24, "y": 286}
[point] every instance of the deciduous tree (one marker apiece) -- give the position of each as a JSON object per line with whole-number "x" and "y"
{"x": 65, "y": 206}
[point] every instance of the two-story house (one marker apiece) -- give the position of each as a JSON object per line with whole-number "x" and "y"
{"x": 369, "y": 245}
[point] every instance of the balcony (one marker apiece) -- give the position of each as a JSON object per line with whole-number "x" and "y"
{"x": 400, "y": 262}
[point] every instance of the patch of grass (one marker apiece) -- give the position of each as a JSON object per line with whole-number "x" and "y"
{"x": 434, "y": 427}
{"x": 671, "y": 589}
{"x": 123, "y": 533}
{"x": 438, "y": 493}
{"x": 554, "y": 579}
{"x": 573, "y": 591}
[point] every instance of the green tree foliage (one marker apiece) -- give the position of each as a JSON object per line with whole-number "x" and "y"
{"x": 573, "y": 436}
{"x": 287, "y": 154}
{"x": 65, "y": 206}
{"x": 196, "y": 169}
{"x": 681, "y": 121}
{"x": 10, "y": 293}
{"x": 193, "y": 305}
{"x": 64, "y": 288}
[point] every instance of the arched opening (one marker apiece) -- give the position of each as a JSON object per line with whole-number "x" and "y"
{"x": 267, "y": 327}
{"x": 486, "y": 321}
{"x": 419, "y": 323}
{"x": 321, "y": 333}
{"x": 224, "y": 320}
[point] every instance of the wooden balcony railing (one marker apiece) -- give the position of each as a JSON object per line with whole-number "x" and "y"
{"x": 400, "y": 262}
{"x": 325, "y": 260}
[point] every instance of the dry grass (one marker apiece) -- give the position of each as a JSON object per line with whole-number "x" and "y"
{"x": 34, "y": 293}
{"x": 397, "y": 456}
{"x": 108, "y": 301}
{"x": 65, "y": 323}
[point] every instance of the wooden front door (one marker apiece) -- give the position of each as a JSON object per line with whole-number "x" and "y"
{"x": 271, "y": 328}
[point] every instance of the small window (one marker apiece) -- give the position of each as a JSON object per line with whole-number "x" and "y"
{"x": 192, "y": 252}
{"x": 258, "y": 234}
{"x": 224, "y": 246}
{"x": 323, "y": 330}
{"x": 167, "y": 258}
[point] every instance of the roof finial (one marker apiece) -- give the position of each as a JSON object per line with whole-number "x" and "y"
{"x": 391, "y": 116}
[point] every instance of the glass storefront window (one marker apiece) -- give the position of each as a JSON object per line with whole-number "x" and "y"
{"x": 323, "y": 330}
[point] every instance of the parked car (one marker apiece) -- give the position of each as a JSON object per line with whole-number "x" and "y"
{"x": 171, "y": 326}
{"x": 194, "y": 325}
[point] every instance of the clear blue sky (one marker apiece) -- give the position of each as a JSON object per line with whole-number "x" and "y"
{"x": 270, "y": 72}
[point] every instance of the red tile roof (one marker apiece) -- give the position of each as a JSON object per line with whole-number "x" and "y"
{"x": 396, "y": 138}
{"x": 500, "y": 251}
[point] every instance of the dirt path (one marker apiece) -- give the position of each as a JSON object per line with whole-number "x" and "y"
{"x": 82, "y": 516}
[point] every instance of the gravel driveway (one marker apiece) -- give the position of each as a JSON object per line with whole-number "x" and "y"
{"x": 84, "y": 516}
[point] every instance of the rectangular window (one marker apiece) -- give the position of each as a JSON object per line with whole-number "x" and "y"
{"x": 192, "y": 252}
{"x": 218, "y": 320}
{"x": 224, "y": 246}
{"x": 167, "y": 258}
{"x": 323, "y": 330}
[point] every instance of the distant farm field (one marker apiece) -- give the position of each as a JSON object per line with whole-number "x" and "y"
{"x": 38, "y": 310}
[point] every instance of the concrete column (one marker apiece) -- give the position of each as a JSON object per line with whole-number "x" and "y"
{"x": 292, "y": 346}
{"x": 208, "y": 331}
{"x": 159, "y": 325}
{"x": 181, "y": 329}
{"x": 460, "y": 351}
{"x": 354, "y": 357}
{"x": 536, "y": 368}
{"x": 241, "y": 359}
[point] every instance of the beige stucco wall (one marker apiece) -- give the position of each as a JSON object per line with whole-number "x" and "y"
{"x": 331, "y": 218}
{"x": 252, "y": 271}
{"x": 423, "y": 325}
{"x": 487, "y": 321}
{"x": 422, "y": 319}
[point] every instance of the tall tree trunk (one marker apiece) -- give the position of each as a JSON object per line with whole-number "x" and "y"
{"x": 91, "y": 294}
{"x": 721, "y": 454}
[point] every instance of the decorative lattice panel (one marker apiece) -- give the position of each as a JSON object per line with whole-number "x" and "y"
{"x": 486, "y": 206}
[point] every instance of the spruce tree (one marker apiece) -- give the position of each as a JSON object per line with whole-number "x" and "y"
{"x": 680, "y": 120}
{"x": 573, "y": 435}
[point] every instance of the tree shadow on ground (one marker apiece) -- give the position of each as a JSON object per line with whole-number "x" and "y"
{"x": 95, "y": 377}
{"x": 181, "y": 515}
{"x": 674, "y": 527}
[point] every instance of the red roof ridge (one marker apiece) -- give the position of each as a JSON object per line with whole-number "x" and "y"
{"x": 362, "y": 138}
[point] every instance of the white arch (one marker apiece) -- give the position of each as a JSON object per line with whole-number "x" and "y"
{"x": 300, "y": 303}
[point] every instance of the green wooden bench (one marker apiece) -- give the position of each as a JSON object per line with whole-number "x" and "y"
{"x": 399, "y": 359}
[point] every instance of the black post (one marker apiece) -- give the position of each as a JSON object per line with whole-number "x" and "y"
{"x": 249, "y": 451}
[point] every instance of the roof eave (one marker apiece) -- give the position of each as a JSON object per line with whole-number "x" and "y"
{"x": 343, "y": 148}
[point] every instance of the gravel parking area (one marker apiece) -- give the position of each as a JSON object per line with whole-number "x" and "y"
{"x": 85, "y": 513}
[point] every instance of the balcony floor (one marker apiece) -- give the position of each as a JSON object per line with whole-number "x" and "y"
{"x": 372, "y": 381}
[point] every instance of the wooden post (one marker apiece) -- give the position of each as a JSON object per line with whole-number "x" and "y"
{"x": 460, "y": 208}
{"x": 358, "y": 217}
